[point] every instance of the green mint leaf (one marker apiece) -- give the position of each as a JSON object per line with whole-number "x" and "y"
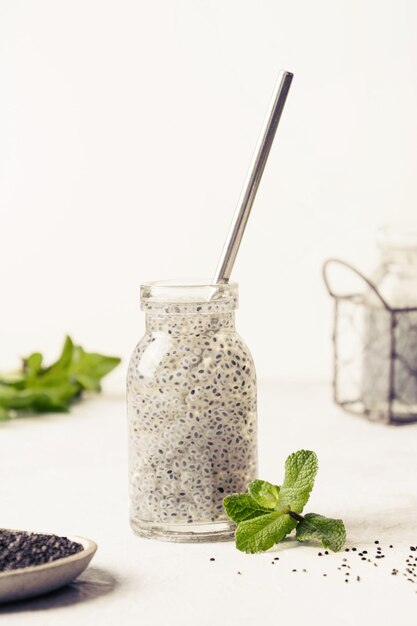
{"x": 35, "y": 389}
{"x": 33, "y": 364}
{"x": 264, "y": 493}
{"x": 330, "y": 532}
{"x": 261, "y": 533}
{"x": 300, "y": 472}
{"x": 241, "y": 506}
{"x": 37, "y": 399}
{"x": 89, "y": 368}
{"x": 64, "y": 359}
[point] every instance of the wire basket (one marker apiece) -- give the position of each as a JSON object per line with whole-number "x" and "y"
{"x": 375, "y": 351}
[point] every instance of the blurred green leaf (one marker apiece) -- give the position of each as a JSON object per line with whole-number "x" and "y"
{"x": 89, "y": 368}
{"x": 64, "y": 360}
{"x": 33, "y": 364}
{"x": 35, "y": 389}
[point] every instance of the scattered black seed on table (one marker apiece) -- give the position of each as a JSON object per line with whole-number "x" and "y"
{"x": 376, "y": 541}
{"x": 409, "y": 571}
{"x": 240, "y": 573}
{"x": 21, "y": 549}
{"x": 212, "y": 558}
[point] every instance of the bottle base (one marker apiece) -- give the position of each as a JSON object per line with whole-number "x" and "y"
{"x": 185, "y": 533}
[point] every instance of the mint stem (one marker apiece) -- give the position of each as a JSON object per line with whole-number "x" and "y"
{"x": 296, "y": 516}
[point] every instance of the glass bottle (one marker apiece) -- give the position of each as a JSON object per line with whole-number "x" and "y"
{"x": 390, "y": 356}
{"x": 191, "y": 394}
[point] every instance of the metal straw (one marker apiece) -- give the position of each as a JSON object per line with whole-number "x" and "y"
{"x": 253, "y": 178}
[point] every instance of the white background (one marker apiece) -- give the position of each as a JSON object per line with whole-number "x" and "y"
{"x": 126, "y": 129}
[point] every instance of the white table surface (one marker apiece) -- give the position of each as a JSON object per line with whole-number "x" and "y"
{"x": 67, "y": 474}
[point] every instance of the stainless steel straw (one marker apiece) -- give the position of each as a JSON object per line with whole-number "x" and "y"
{"x": 253, "y": 178}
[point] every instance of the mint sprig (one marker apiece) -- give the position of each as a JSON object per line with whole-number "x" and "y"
{"x": 38, "y": 389}
{"x": 267, "y": 513}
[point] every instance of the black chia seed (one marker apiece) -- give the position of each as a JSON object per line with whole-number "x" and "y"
{"x": 20, "y": 549}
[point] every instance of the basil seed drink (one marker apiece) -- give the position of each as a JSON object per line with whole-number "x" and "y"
{"x": 191, "y": 391}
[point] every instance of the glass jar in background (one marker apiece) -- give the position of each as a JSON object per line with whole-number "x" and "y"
{"x": 191, "y": 394}
{"x": 390, "y": 342}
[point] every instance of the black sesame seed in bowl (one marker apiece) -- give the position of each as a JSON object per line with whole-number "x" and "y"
{"x": 32, "y": 564}
{"x": 19, "y": 549}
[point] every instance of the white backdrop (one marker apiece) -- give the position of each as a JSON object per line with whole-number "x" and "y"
{"x": 126, "y": 128}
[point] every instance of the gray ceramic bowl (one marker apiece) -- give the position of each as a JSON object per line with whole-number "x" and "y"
{"x": 27, "y": 582}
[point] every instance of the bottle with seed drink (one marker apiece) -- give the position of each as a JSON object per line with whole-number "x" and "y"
{"x": 191, "y": 389}
{"x": 192, "y": 413}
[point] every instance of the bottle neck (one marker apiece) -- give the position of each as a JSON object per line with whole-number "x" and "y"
{"x": 180, "y": 325}
{"x": 400, "y": 262}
